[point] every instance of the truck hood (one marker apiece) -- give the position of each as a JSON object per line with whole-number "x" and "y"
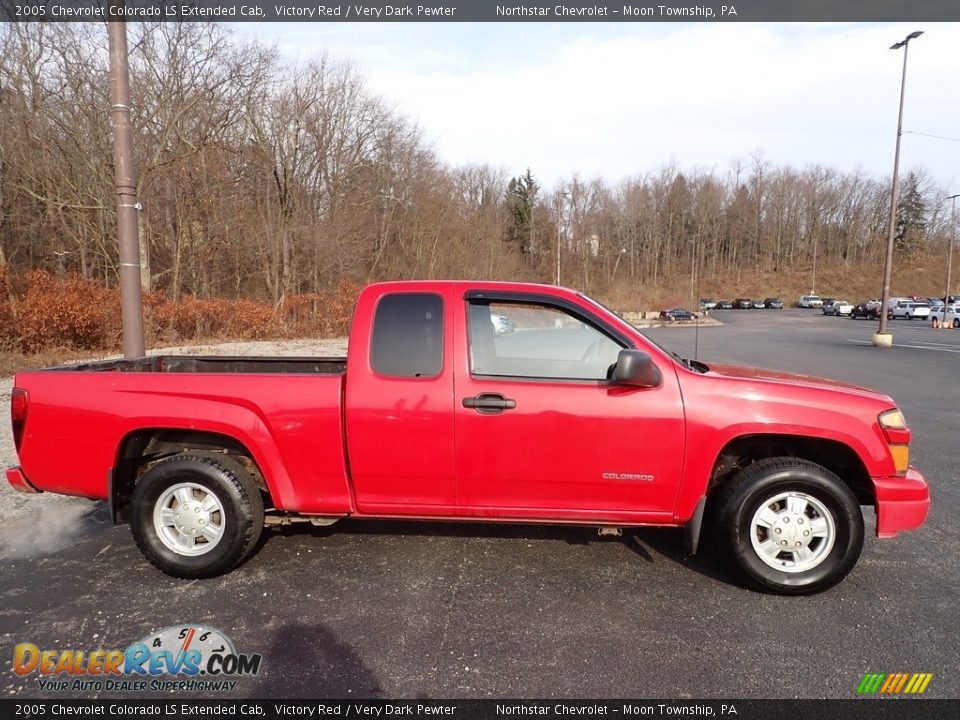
{"x": 775, "y": 376}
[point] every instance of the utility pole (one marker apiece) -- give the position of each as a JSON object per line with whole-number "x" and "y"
{"x": 125, "y": 186}
{"x": 950, "y": 242}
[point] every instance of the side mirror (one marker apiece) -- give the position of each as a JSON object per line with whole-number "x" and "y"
{"x": 636, "y": 367}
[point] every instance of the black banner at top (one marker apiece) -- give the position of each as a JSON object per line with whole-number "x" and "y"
{"x": 481, "y": 11}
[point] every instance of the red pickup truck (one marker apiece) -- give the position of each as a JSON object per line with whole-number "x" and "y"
{"x": 471, "y": 401}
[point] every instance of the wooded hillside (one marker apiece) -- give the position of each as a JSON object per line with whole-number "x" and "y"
{"x": 260, "y": 179}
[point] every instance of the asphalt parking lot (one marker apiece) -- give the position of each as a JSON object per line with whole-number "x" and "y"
{"x": 431, "y": 610}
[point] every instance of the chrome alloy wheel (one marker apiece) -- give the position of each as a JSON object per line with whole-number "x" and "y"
{"x": 792, "y": 532}
{"x": 189, "y": 519}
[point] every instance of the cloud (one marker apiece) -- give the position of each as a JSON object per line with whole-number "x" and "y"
{"x": 616, "y": 99}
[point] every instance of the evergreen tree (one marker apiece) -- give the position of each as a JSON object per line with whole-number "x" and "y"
{"x": 910, "y": 226}
{"x": 520, "y": 200}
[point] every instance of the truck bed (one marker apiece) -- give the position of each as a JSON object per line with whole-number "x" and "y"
{"x": 214, "y": 364}
{"x": 286, "y": 411}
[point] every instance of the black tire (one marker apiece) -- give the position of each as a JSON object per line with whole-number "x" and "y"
{"x": 758, "y": 484}
{"x": 956, "y": 322}
{"x": 231, "y": 485}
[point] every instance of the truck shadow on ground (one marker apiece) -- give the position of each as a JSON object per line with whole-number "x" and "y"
{"x": 647, "y": 543}
{"x": 311, "y": 661}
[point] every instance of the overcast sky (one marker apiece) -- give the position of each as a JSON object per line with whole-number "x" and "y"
{"x": 613, "y": 100}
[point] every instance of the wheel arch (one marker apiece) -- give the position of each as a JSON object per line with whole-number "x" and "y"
{"x": 142, "y": 448}
{"x": 837, "y": 457}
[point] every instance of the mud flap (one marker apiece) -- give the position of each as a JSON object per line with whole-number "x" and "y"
{"x": 693, "y": 526}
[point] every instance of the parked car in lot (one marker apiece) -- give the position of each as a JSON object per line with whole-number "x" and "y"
{"x": 501, "y": 324}
{"x": 759, "y": 305}
{"x": 432, "y": 415}
{"x": 868, "y": 311}
{"x": 772, "y": 303}
{"x": 743, "y": 304}
{"x": 952, "y": 314}
{"x": 724, "y": 305}
{"x": 837, "y": 307}
{"x": 677, "y": 314}
{"x": 810, "y": 301}
{"x": 707, "y": 303}
{"x": 909, "y": 309}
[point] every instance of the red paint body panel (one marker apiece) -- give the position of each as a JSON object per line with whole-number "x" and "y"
{"x": 363, "y": 444}
{"x": 722, "y": 407}
{"x": 399, "y": 430}
{"x": 290, "y": 424}
{"x": 902, "y": 503}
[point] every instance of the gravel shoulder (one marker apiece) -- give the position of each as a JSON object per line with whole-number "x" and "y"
{"x": 18, "y": 512}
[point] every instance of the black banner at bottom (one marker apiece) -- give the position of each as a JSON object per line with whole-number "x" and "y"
{"x": 168, "y": 708}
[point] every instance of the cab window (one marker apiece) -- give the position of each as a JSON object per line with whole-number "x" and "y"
{"x": 532, "y": 340}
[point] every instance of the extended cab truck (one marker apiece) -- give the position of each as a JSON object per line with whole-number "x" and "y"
{"x": 571, "y": 417}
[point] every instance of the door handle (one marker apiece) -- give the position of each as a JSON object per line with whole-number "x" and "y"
{"x": 489, "y": 403}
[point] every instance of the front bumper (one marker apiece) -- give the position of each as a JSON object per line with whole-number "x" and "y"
{"x": 19, "y": 481}
{"x": 903, "y": 502}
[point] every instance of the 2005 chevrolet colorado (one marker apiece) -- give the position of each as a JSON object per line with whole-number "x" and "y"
{"x": 481, "y": 402}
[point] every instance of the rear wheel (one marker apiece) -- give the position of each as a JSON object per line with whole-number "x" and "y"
{"x": 789, "y": 526}
{"x": 196, "y": 515}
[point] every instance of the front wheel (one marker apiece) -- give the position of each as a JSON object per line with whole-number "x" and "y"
{"x": 196, "y": 515}
{"x": 789, "y": 526}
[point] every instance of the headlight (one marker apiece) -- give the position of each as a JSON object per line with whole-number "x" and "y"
{"x": 893, "y": 420}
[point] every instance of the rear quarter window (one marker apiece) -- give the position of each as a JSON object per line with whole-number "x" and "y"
{"x": 407, "y": 339}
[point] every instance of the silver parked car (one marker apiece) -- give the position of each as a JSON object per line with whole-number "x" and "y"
{"x": 501, "y": 324}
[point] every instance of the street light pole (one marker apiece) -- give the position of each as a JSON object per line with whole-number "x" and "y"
{"x": 950, "y": 242}
{"x": 882, "y": 338}
{"x": 560, "y": 196}
{"x": 813, "y": 281}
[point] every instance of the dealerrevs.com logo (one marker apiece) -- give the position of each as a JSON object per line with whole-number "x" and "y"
{"x": 182, "y": 658}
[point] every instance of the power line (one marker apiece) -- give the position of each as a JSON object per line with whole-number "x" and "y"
{"x": 938, "y": 137}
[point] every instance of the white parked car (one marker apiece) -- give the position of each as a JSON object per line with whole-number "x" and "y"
{"x": 953, "y": 316}
{"x": 909, "y": 309}
{"x": 810, "y": 301}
